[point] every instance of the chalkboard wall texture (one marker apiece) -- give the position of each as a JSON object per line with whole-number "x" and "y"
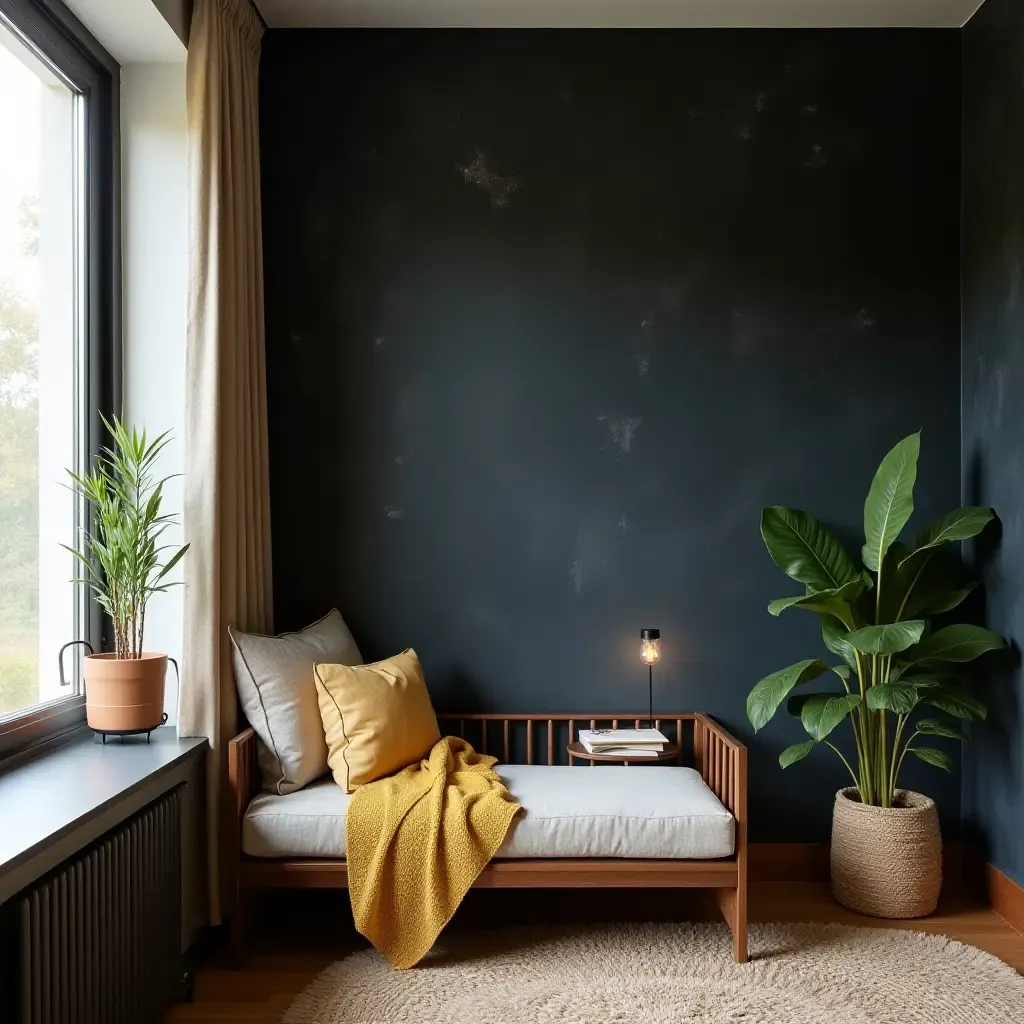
{"x": 552, "y": 315}
{"x": 993, "y": 415}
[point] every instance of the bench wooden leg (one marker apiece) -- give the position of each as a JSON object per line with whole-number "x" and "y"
{"x": 733, "y": 905}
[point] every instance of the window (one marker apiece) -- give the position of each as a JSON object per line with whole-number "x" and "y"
{"x": 58, "y": 346}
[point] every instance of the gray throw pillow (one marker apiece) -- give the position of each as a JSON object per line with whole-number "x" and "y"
{"x": 274, "y": 676}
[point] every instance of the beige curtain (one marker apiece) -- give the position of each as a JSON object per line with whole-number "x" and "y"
{"x": 227, "y": 502}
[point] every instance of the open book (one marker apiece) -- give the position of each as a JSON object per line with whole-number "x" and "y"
{"x": 623, "y": 742}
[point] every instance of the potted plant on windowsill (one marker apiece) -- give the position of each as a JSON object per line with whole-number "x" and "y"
{"x": 876, "y": 618}
{"x": 125, "y": 565}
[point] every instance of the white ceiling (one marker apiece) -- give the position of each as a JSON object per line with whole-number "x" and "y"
{"x": 133, "y": 31}
{"x": 616, "y": 13}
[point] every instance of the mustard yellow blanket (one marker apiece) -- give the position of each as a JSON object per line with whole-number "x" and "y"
{"x": 417, "y": 841}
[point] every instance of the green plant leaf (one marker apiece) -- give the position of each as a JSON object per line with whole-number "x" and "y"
{"x": 895, "y": 583}
{"x": 961, "y": 524}
{"x": 890, "y": 638}
{"x": 933, "y": 727}
{"x": 900, "y": 698}
{"x": 939, "y": 758}
{"x": 795, "y": 704}
{"x": 173, "y": 561}
{"x": 940, "y": 602}
{"x": 833, "y": 635}
{"x": 922, "y": 680}
{"x": 955, "y": 702}
{"x": 764, "y": 699}
{"x": 804, "y": 550}
{"x": 823, "y": 712}
{"x": 795, "y": 753}
{"x": 956, "y": 643}
{"x": 119, "y": 545}
{"x": 836, "y": 602}
{"x": 890, "y": 500}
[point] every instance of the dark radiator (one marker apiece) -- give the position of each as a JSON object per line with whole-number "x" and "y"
{"x": 100, "y": 938}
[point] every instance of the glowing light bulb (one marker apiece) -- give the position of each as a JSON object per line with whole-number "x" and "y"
{"x": 650, "y": 647}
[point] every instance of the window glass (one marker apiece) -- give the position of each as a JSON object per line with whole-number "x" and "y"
{"x": 41, "y": 378}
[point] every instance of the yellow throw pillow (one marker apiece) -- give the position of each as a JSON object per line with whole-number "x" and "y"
{"x": 377, "y": 718}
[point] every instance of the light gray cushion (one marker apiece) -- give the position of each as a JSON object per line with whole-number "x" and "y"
{"x": 274, "y": 676}
{"x": 654, "y": 811}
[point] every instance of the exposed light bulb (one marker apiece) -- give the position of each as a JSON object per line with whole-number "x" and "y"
{"x": 650, "y": 651}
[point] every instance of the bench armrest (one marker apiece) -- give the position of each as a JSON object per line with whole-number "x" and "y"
{"x": 243, "y": 772}
{"x": 722, "y": 762}
{"x": 243, "y": 785}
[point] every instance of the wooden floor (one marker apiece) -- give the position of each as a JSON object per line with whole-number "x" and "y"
{"x": 303, "y": 932}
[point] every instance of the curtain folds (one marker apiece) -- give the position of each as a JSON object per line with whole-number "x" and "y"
{"x": 227, "y": 489}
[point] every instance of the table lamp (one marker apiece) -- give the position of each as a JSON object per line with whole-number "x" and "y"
{"x": 650, "y": 653}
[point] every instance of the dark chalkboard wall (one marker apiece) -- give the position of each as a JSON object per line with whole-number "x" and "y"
{"x": 993, "y": 378}
{"x": 552, "y": 315}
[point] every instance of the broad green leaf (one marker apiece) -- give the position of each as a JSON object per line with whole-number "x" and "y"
{"x": 780, "y": 604}
{"x": 955, "y": 702}
{"x": 933, "y": 727}
{"x": 890, "y": 638}
{"x": 795, "y": 753}
{"x": 961, "y": 524}
{"x": 830, "y": 602}
{"x": 764, "y": 699}
{"x": 895, "y": 582}
{"x": 804, "y": 550}
{"x": 939, "y": 758}
{"x": 938, "y": 603}
{"x": 834, "y": 635}
{"x": 922, "y": 680}
{"x": 821, "y": 714}
{"x": 956, "y": 643}
{"x": 890, "y": 500}
{"x": 795, "y": 704}
{"x": 900, "y": 698}
{"x": 843, "y": 671}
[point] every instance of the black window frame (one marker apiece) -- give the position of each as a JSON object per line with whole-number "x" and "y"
{"x": 50, "y": 29}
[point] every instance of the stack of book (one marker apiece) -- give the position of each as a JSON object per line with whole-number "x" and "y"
{"x": 625, "y": 743}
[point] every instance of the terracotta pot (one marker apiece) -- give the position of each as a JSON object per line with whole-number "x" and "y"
{"x": 886, "y": 861}
{"x": 125, "y": 695}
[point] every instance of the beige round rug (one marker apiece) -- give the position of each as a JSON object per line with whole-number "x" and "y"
{"x": 672, "y": 974}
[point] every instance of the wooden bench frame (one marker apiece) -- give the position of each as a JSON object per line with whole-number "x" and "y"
{"x": 719, "y": 757}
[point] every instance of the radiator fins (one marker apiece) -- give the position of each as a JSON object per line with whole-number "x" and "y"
{"x": 100, "y": 938}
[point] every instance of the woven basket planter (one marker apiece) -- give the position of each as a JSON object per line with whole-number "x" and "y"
{"x": 886, "y": 861}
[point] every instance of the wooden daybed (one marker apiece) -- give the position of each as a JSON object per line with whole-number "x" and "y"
{"x": 704, "y": 745}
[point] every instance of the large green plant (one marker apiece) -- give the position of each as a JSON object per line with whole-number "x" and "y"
{"x": 123, "y": 559}
{"x": 875, "y": 618}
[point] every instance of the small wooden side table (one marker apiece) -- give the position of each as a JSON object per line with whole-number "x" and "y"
{"x": 577, "y": 750}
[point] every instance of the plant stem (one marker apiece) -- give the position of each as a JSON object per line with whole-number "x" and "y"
{"x": 905, "y": 749}
{"x": 901, "y": 721}
{"x": 899, "y": 764}
{"x": 839, "y": 753}
{"x": 877, "y": 742}
{"x": 910, "y": 589}
{"x": 865, "y": 744}
{"x": 883, "y": 753}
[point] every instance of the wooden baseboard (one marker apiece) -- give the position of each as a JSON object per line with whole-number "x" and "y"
{"x": 1005, "y": 897}
{"x": 809, "y": 862}
{"x": 788, "y": 862}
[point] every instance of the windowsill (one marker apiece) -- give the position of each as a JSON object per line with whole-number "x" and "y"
{"x": 63, "y": 799}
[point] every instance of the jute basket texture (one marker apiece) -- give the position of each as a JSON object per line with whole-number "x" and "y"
{"x": 887, "y": 861}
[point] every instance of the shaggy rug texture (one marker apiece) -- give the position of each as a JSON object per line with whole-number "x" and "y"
{"x": 672, "y": 974}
